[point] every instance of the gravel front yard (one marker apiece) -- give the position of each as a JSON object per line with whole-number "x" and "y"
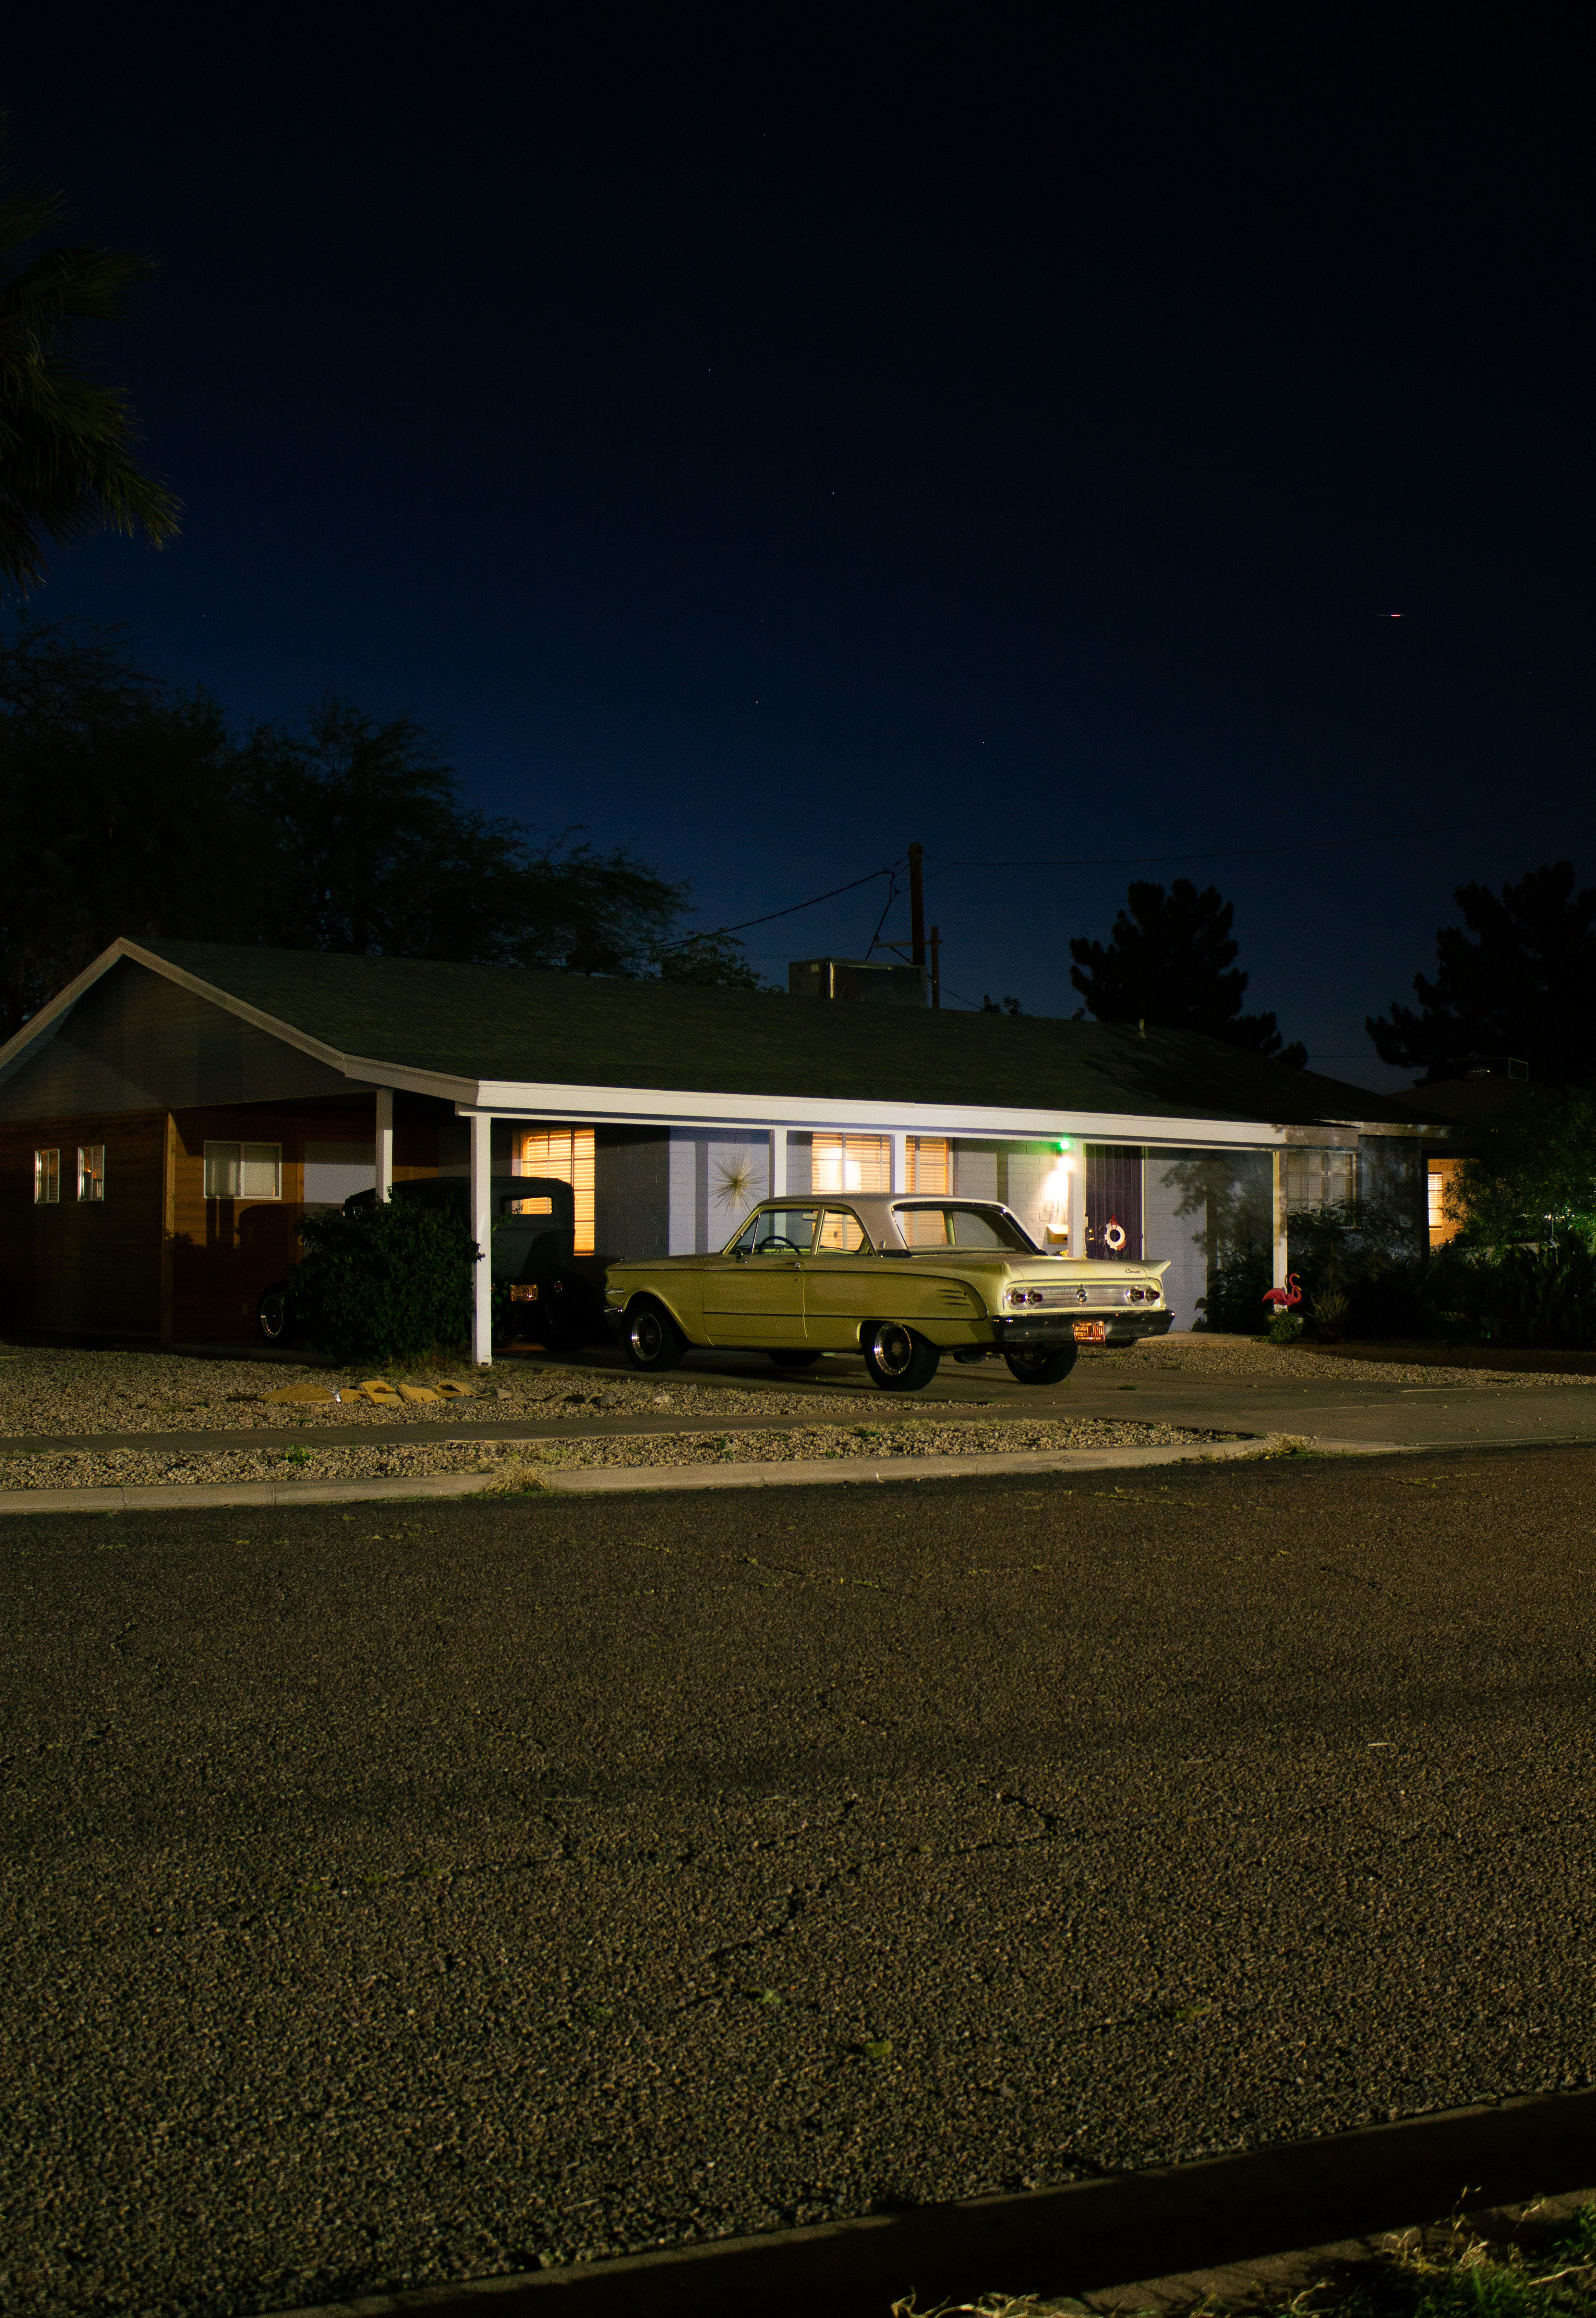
{"x": 48, "y": 1391}
{"x": 518, "y": 1463}
{"x": 53, "y": 1391}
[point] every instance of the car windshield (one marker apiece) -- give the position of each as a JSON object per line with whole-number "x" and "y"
{"x": 962, "y": 1222}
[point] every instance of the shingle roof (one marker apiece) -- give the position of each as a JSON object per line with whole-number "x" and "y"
{"x": 500, "y": 1023}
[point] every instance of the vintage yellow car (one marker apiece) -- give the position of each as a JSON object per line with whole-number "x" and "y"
{"x": 901, "y": 1279}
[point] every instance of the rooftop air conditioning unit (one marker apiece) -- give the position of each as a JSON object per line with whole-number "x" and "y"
{"x": 883, "y": 984}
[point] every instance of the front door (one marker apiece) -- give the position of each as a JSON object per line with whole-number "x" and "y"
{"x": 754, "y": 1293}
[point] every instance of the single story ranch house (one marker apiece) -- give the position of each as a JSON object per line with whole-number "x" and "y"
{"x": 167, "y": 1120}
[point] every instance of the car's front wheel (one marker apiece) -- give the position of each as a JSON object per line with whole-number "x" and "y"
{"x": 897, "y": 1359}
{"x": 653, "y": 1341}
{"x": 1050, "y": 1367}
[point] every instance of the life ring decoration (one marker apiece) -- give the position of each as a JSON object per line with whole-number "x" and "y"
{"x": 1113, "y": 1234}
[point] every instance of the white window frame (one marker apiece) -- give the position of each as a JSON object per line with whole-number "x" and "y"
{"x": 46, "y": 1178}
{"x": 239, "y": 1156}
{"x": 91, "y": 1177}
{"x": 1310, "y": 1174}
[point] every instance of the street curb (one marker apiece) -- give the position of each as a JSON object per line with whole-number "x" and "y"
{"x": 1086, "y": 2237}
{"x": 591, "y": 1481}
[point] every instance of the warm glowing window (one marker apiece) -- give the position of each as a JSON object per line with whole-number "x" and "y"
{"x": 842, "y": 1233}
{"x": 46, "y": 1178}
{"x": 91, "y": 1171}
{"x": 853, "y": 1163}
{"x": 244, "y": 1171}
{"x": 929, "y": 1164}
{"x": 566, "y": 1153}
{"x": 1443, "y": 1227}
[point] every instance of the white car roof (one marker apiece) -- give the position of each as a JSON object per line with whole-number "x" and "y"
{"x": 875, "y": 1209}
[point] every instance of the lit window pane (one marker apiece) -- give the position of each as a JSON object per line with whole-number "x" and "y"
{"x": 260, "y": 1171}
{"x": 222, "y": 1170}
{"x": 567, "y": 1154}
{"x": 46, "y": 1178}
{"x": 852, "y": 1163}
{"x": 91, "y": 1171}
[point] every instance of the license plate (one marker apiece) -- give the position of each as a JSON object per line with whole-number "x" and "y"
{"x": 1092, "y": 1332}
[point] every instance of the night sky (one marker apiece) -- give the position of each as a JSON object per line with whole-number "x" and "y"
{"x": 765, "y": 437}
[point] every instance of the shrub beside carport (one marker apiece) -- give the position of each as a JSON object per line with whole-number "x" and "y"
{"x": 391, "y": 1281}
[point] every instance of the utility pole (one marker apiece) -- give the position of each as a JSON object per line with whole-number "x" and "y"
{"x": 936, "y": 965}
{"x": 917, "y": 904}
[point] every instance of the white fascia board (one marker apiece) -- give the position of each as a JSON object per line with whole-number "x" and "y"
{"x": 447, "y": 1088}
{"x": 1385, "y": 1127}
{"x": 669, "y": 1107}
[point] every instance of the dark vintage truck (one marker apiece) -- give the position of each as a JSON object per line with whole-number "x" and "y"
{"x": 532, "y": 1253}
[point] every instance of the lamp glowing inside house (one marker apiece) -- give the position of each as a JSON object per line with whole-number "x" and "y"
{"x": 1054, "y": 1206}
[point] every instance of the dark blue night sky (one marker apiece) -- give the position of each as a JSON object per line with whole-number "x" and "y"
{"x": 769, "y": 436}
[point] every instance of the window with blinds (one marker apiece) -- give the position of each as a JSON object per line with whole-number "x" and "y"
{"x": 852, "y": 1163}
{"x": 929, "y": 1164}
{"x": 566, "y": 1153}
{"x": 244, "y": 1171}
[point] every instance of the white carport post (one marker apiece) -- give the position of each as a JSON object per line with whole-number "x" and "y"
{"x": 1282, "y": 1242}
{"x": 384, "y": 1146}
{"x": 900, "y": 1182}
{"x": 778, "y": 1163}
{"x": 1075, "y": 1195}
{"x": 481, "y": 1222}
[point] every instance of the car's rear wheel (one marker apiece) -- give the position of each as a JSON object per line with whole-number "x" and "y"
{"x": 1051, "y": 1366}
{"x": 652, "y": 1339}
{"x": 794, "y": 1360}
{"x": 897, "y": 1359}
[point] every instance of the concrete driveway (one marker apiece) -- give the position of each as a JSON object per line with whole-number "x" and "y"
{"x": 406, "y": 1894}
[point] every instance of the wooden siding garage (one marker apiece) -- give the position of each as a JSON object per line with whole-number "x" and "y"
{"x": 157, "y": 1260}
{"x": 83, "y": 1266}
{"x": 227, "y": 1251}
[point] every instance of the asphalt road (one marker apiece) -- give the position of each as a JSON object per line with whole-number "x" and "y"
{"x": 439, "y": 1890}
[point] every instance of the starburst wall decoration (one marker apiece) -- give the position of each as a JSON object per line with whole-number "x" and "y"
{"x": 734, "y": 1181}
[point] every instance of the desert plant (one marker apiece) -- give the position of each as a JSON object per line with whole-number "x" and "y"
{"x": 1331, "y": 1306}
{"x": 388, "y": 1282}
{"x": 1285, "y": 1327}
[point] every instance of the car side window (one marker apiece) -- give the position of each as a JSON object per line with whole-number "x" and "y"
{"x": 842, "y": 1233}
{"x": 777, "y": 1231}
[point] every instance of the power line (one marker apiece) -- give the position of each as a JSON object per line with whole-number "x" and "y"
{"x": 1254, "y": 852}
{"x": 708, "y": 933}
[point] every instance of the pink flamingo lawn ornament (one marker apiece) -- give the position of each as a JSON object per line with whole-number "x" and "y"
{"x": 1285, "y": 1299}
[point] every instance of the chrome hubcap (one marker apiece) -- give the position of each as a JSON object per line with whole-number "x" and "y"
{"x": 893, "y": 1350}
{"x": 647, "y": 1336}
